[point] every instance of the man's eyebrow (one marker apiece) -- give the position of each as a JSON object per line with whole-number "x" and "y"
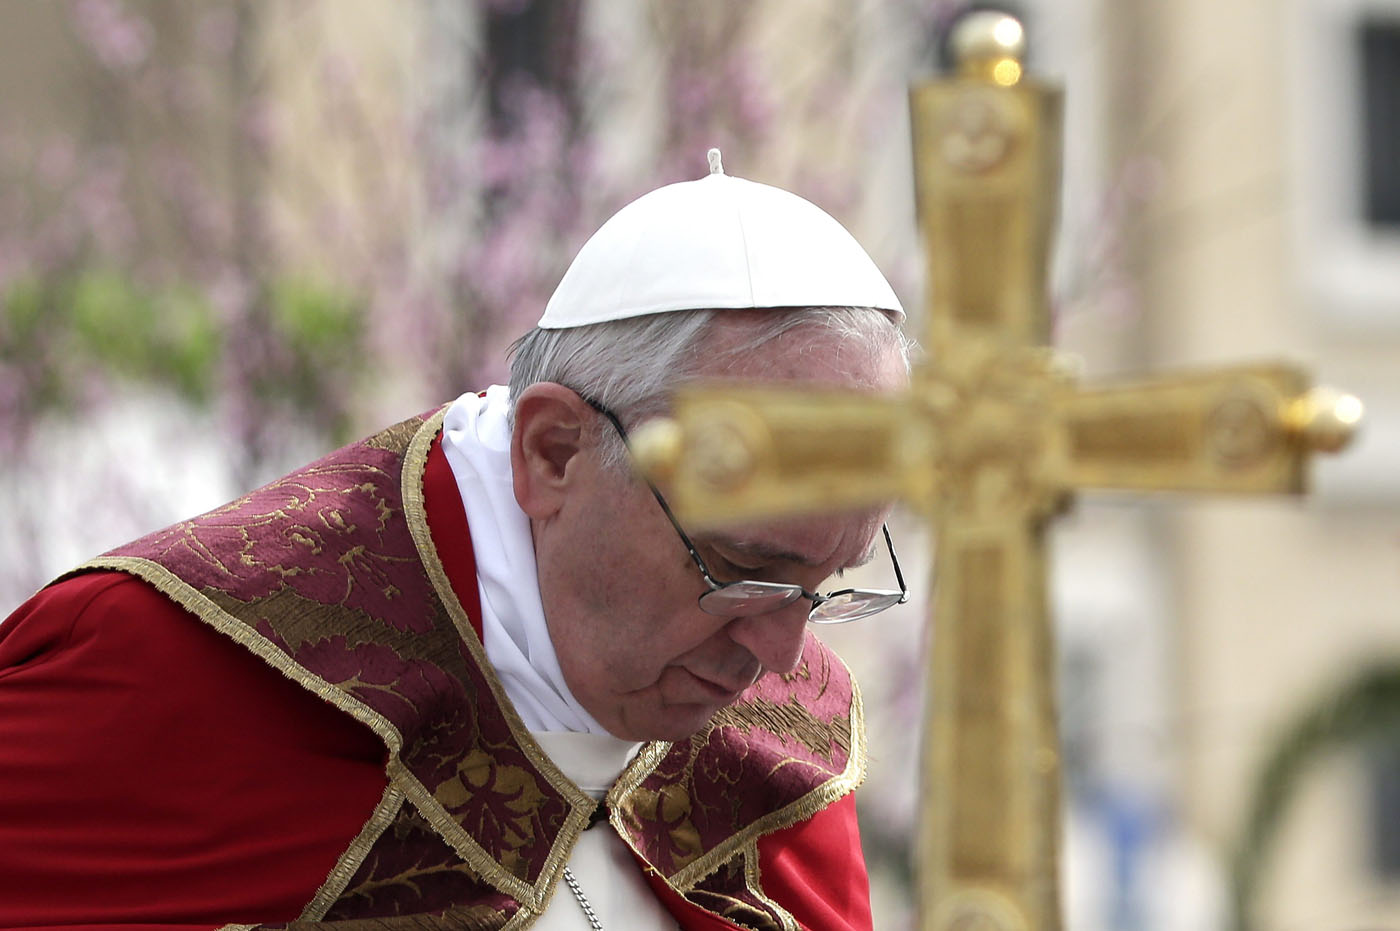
{"x": 764, "y": 551}
{"x": 770, "y": 553}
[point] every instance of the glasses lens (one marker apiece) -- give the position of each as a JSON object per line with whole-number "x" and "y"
{"x": 740, "y": 599}
{"x": 852, "y": 605}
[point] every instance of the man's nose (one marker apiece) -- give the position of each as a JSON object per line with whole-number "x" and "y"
{"x": 775, "y": 639}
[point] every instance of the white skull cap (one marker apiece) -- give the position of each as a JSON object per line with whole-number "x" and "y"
{"x": 721, "y": 243}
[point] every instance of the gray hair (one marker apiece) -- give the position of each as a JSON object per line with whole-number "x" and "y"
{"x": 630, "y": 366}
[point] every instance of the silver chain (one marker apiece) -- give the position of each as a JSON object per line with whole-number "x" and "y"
{"x": 588, "y": 912}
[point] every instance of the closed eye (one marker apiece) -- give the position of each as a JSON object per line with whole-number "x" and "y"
{"x": 757, "y": 556}
{"x": 740, "y": 566}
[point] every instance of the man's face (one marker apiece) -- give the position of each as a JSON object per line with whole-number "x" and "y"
{"x": 620, "y": 590}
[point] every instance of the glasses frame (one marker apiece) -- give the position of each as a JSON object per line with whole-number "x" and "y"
{"x": 796, "y": 591}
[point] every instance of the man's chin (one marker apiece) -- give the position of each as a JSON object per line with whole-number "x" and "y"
{"x": 672, "y": 722}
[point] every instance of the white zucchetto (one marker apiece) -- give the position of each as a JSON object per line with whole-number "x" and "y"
{"x": 719, "y": 242}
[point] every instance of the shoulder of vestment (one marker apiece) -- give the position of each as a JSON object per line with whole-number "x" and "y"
{"x": 330, "y": 575}
{"x": 791, "y": 746}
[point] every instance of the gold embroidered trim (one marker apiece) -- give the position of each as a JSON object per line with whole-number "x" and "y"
{"x": 462, "y": 843}
{"x": 800, "y": 810}
{"x": 642, "y": 765}
{"x": 753, "y": 879}
{"x": 193, "y": 601}
{"x": 398, "y": 774}
{"x": 521, "y": 919}
{"x": 415, "y": 464}
{"x": 344, "y": 869}
{"x": 636, "y": 772}
{"x": 238, "y": 928}
{"x": 581, "y": 805}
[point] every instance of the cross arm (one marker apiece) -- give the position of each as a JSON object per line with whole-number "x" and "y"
{"x": 1247, "y": 429}
{"x": 728, "y": 452}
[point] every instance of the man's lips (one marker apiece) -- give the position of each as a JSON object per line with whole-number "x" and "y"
{"x": 716, "y": 691}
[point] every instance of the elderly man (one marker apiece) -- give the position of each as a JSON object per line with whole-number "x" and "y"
{"x": 470, "y": 672}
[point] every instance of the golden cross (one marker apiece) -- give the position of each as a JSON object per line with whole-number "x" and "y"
{"x": 989, "y": 442}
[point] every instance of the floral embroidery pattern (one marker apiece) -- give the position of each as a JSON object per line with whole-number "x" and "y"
{"x": 411, "y": 872}
{"x": 326, "y": 533}
{"x": 716, "y": 893}
{"x": 786, "y": 736}
{"x": 322, "y": 565}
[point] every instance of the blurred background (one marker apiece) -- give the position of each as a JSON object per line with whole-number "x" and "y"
{"x": 234, "y": 235}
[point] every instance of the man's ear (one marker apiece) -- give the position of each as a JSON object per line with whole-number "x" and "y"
{"x": 551, "y": 429}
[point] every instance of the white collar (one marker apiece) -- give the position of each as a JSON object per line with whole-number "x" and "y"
{"x": 476, "y": 441}
{"x": 591, "y": 761}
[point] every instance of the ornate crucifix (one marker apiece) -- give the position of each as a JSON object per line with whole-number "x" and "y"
{"x": 990, "y": 441}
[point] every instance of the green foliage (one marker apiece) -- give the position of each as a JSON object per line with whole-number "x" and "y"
{"x": 59, "y": 335}
{"x": 23, "y": 335}
{"x": 1363, "y": 710}
{"x": 319, "y": 325}
{"x": 320, "y": 332}
{"x": 193, "y": 343}
{"x": 24, "y": 314}
{"x": 168, "y": 337}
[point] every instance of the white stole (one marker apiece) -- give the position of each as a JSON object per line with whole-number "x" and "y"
{"x": 476, "y": 441}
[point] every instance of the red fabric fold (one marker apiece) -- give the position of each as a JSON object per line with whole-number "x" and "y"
{"x": 154, "y": 773}
{"x": 447, "y": 521}
{"x": 815, "y": 869}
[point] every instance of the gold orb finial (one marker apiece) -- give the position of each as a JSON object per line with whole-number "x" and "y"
{"x": 656, "y": 448}
{"x": 1324, "y": 419}
{"x": 990, "y": 45}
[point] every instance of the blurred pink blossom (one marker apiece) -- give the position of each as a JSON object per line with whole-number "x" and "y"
{"x": 120, "y": 39}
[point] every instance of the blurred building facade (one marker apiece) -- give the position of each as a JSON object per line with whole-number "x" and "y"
{"x": 1259, "y": 243}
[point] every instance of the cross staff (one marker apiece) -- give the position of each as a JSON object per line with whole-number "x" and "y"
{"x": 989, "y": 442}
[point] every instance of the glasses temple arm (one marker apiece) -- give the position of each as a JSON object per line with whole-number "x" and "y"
{"x": 656, "y": 493}
{"x": 690, "y": 547}
{"x": 898, "y": 574}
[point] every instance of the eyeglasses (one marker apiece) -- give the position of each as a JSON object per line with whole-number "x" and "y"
{"x": 749, "y": 597}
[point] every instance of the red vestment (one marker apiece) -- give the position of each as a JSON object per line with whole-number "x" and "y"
{"x": 154, "y": 774}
